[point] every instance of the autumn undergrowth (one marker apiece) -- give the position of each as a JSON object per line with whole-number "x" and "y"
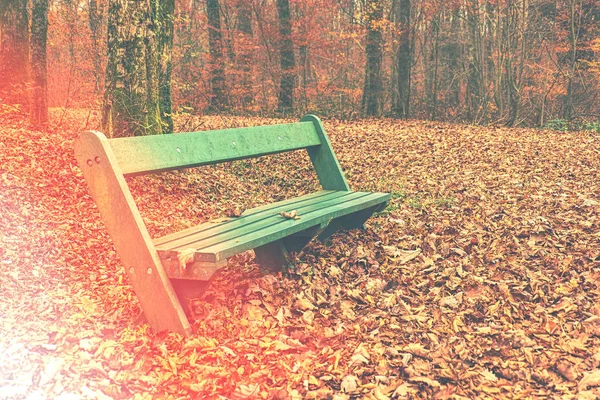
{"x": 479, "y": 280}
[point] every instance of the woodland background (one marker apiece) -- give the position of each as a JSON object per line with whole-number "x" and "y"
{"x": 511, "y": 62}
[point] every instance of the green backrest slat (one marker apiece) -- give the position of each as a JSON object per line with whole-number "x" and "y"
{"x": 145, "y": 154}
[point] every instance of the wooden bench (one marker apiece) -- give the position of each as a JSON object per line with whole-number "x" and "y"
{"x": 158, "y": 267}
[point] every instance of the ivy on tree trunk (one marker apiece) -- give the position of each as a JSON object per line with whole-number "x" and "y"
{"x": 135, "y": 81}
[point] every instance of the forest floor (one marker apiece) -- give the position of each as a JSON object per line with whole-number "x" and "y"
{"x": 480, "y": 280}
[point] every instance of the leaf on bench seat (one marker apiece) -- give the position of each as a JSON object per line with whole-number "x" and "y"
{"x": 185, "y": 257}
{"x": 290, "y": 215}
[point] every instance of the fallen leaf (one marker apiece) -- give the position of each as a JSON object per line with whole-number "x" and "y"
{"x": 185, "y": 257}
{"x": 349, "y": 384}
{"x": 591, "y": 378}
{"x": 290, "y": 215}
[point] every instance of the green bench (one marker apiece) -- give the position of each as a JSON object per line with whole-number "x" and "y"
{"x": 160, "y": 268}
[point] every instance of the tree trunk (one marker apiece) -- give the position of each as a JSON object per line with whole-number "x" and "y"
{"x": 573, "y": 39}
{"x": 14, "y": 52}
{"x": 432, "y": 73}
{"x": 215, "y": 43}
{"x": 95, "y": 22}
{"x": 476, "y": 82}
{"x": 165, "y": 65}
{"x": 372, "y": 92}
{"x": 39, "y": 35}
{"x": 245, "y": 34}
{"x": 131, "y": 98}
{"x": 403, "y": 59}
{"x": 287, "y": 60}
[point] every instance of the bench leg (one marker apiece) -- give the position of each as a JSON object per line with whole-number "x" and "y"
{"x": 297, "y": 241}
{"x": 350, "y": 221}
{"x": 273, "y": 256}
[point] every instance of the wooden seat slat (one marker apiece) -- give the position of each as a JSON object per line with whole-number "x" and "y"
{"x": 287, "y": 227}
{"x": 207, "y": 228}
{"x": 257, "y": 223}
{"x": 263, "y": 225}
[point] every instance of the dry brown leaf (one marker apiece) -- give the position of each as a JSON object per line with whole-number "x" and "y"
{"x": 402, "y": 256}
{"x": 424, "y": 379}
{"x": 567, "y": 370}
{"x": 234, "y": 212}
{"x": 416, "y": 349}
{"x": 185, "y": 257}
{"x": 308, "y": 317}
{"x": 349, "y": 384}
{"x": 591, "y": 378}
{"x": 304, "y": 304}
{"x": 290, "y": 215}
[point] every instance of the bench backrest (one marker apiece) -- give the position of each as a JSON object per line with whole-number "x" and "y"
{"x": 146, "y": 154}
{"x": 157, "y": 153}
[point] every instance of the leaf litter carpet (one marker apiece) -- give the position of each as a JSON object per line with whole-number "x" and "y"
{"x": 480, "y": 280}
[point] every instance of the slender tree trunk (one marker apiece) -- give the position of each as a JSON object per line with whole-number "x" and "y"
{"x": 14, "y": 53}
{"x": 403, "y": 59}
{"x": 573, "y": 37}
{"x": 166, "y": 14}
{"x": 373, "y": 89}
{"x": 39, "y": 35}
{"x": 245, "y": 36}
{"x": 455, "y": 52}
{"x": 131, "y": 99}
{"x": 433, "y": 71}
{"x": 287, "y": 60}
{"x": 476, "y": 83}
{"x": 215, "y": 44}
{"x": 95, "y": 23}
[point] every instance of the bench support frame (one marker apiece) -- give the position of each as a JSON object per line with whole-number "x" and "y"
{"x": 125, "y": 226}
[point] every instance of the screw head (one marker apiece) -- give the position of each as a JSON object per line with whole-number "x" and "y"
{"x": 90, "y": 162}
{"x": 149, "y": 270}
{"x": 97, "y": 159}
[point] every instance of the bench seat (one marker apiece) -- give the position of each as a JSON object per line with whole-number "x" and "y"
{"x": 213, "y": 242}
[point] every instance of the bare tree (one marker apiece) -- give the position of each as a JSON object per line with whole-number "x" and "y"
{"x": 39, "y": 35}
{"x": 373, "y": 89}
{"x": 215, "y": 44}
{"x": 403, "y": 59}
{"x": 14, "y": 51}
{"x": 287, "y": 60}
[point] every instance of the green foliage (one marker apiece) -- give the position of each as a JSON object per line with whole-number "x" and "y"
{"x": 593, "y": 126}
{"x": 563, "y": 125}
{"x": 557, "y": 125}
